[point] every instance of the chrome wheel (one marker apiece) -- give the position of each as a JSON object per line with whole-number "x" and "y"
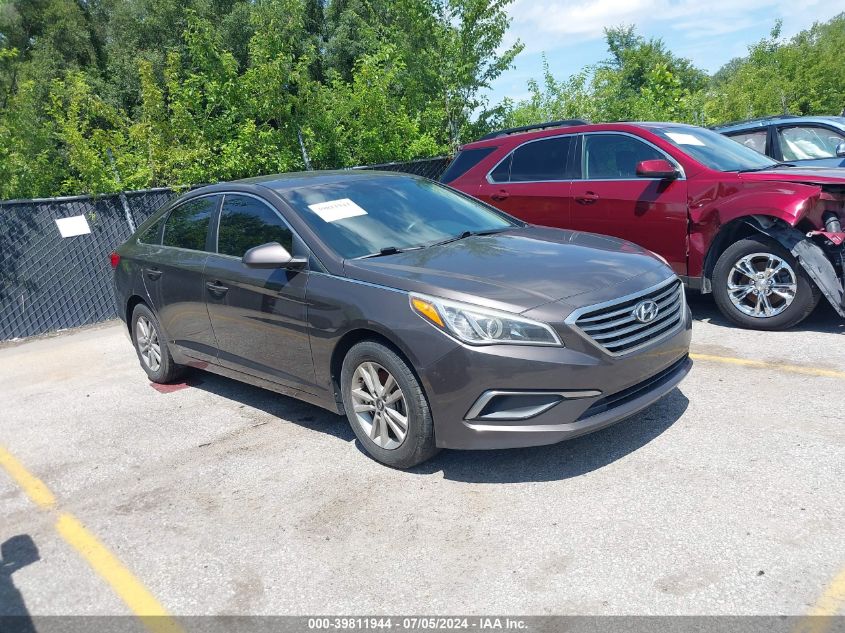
{"x": 762, "y": 285}
{"x": 379, "y": 405}
{"x": 149, "y": 347}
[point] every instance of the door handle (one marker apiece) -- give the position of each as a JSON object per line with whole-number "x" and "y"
{"x": 587, "y": 198}
{"x": 153, "y": 273}
{"x": 216, "y": 288}
{"x": 500, "y": 195}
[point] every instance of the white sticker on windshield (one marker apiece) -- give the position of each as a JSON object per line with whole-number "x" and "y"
{"x": 335, "y": 210}
{"x": 684, "y": 139}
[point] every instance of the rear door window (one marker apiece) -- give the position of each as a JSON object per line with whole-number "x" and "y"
{"x": 246, "y": 222}
{"x": 756, "y": 140}
{"x": 541, "y": 160}
{"x": 615, "y": 156}
{"x": 187, "y": 225}
{"x": 808, "y": 142}
{"x": 537, "y": 161}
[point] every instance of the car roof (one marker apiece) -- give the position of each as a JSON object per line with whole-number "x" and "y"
{"x": 618, "y": 126}
{"x": 753, "y": 124}
{"x": 295, "y": 180}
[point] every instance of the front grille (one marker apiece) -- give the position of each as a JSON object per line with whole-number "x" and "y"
{"x": 613, "y": 327}
{"x": 621, "y": 398}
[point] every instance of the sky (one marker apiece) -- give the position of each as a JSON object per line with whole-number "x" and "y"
{"x": 708, "y": 32}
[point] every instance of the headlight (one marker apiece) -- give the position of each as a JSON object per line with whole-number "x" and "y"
{"x": 481, "y": 326}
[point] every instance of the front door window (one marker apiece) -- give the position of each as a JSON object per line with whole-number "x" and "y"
{"x": 808, "y": 142}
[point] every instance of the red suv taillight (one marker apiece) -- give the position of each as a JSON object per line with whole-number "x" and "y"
{"x": 114, "y": 258}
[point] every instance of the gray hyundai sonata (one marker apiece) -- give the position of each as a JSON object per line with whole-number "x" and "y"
{"x": 428, "y": 318}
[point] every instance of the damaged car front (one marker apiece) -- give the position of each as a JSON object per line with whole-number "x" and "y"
{"x": 812, "y": 227}
{"x": 766, "y": 238}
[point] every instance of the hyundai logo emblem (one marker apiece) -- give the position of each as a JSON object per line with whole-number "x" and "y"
{"x": 645, "y": 311}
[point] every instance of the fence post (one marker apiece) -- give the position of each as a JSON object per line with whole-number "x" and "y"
{"x": 304, "y": 152}
{"x": 123, "y": 200}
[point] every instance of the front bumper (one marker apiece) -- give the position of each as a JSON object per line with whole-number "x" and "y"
{"x": 605, "y": 389}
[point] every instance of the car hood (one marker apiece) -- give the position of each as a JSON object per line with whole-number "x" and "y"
{"x": 813, "y": 176}
{"x": 515, "y": 270}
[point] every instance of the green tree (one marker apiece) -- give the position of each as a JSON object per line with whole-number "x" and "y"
{"x": 101, "y": 94}
{"x": 803, "y": 75}
{"x": 365, "y": 121}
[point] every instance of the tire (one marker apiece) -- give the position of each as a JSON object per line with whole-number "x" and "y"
{"x": 380, "y": 437}
{"x": 761, "y": 255}
{"x": 166, "y": 370}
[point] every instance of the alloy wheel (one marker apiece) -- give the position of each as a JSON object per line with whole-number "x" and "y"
{"x": 379, "y": 405}
{"x": 762, "y": 285}
{"x": 149, "y": 347}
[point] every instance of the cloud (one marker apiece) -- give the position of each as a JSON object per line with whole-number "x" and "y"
{"x": 546, "y": 25}
{"x": 571, "y": 32}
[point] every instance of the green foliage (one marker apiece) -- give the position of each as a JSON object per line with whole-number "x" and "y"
{"x": 109, "y": 94}
{"x": 102, "y": 95}
{"x": 804, "y": 75}
{"x": 30, "y": 163}
{"x": 365, "y": 121}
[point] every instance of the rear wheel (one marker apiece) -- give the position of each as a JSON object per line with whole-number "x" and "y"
{"x": 151, "y": 347}
{"x": 386, "y": 406}
{"x": 758, "y": 284}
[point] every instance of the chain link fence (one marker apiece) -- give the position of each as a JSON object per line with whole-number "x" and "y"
{"x": 431, "y": 168}
{"x": 49, "y": 282}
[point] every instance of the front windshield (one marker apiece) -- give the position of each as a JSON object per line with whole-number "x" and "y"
{"x": 362, "y": 215}
{"x": 714, "y": 150}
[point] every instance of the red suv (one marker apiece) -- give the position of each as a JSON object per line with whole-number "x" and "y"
{"x": 764, "y": 237}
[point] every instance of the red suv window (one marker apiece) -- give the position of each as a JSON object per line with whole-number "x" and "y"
{"x": 535, "y": 161}
{"x": 615, "y": 156}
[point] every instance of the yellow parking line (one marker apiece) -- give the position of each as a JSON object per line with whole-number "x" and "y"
{"x": 31, "y": 485}
{"x": 820, "y": 617}
{"x": 139, "y": 600}
{"x": 795, "y": 369}
{"x": 119, "y": 578}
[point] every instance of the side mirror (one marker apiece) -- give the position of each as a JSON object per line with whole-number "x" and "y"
{"x": 272, "y": 255}
{"x": 840, "y": 150}
{"x": 657, "y": 168}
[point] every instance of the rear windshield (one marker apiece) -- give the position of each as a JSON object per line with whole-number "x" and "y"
{"x": 464, "y": 161}
{"x": 364, "y": 215}
{"x": 714, "y": 150}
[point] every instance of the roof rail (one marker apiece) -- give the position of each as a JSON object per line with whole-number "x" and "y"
{"x": 755, "y": 120}
{"x": 536, "y": 126}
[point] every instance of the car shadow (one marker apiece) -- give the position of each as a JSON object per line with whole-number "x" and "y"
{"x": 544, "y": 463}
{"x": 564, "y": 460}
{"x": 824, "y": 318}
{"x": 15, "y": 553}
{"x": 279, "y": 406}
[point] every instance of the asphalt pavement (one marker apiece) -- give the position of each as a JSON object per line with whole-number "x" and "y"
{"x": 726, "y": 497}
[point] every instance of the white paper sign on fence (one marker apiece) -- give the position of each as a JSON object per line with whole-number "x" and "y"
{"x": 73, "y": 226}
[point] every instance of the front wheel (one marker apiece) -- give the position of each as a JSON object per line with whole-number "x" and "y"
{"x": 758, "y": 284}
{"x": 386, "y": 406}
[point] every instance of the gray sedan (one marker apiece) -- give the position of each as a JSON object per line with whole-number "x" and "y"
{"x": 429, "y": 319}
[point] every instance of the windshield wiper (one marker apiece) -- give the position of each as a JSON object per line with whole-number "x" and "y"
{"x": 467, "y": 234}
{"x": 393, "y": 250}
{"x": 390, "y": 250}
{"x": 775, "y": 166}
{"x": 454, "y": 238}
